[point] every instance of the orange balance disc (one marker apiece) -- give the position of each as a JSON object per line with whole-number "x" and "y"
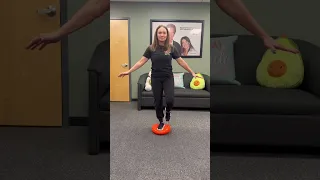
{"x": 166, "y": 129}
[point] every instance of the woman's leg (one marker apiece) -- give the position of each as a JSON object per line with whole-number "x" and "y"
{"x": 157, "y": 89}
{"x": 168, "y": 87}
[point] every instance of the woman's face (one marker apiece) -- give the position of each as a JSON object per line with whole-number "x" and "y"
{"x": 162, "y": 34}
{"x": 185, "y": 44}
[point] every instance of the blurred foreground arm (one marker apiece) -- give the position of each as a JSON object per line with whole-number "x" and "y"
{"x": 237, "y": 10}
{"x": 92, "y": 10}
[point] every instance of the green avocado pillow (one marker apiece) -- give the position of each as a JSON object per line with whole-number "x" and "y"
{"x": 197, "y": 82}
{"x": 282, "y": 69}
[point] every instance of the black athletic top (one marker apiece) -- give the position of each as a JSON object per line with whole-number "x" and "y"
{"x": 161, "y": 62}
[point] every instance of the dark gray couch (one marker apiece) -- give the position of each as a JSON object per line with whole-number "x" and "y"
{"x": 99, "y": 99}
{"x": 250, "y": 115}
{"x": 184, "y": 98}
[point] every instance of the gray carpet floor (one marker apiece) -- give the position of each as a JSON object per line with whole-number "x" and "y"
{"x": 49, "y": 154}
{"x": 61, "y": 153}
{"x": 138, "y": 154}
{"x": 229, "y": 167}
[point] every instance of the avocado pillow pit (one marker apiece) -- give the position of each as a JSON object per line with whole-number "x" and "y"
{"x": 281, "y": 69}
{"x": 197, "y": 83}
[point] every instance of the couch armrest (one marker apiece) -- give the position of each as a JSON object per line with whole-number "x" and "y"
{"x": 99, "y": 85}
{"x": 100, "y": 60}
{"x": 207, "y": 81}
{"x": 142, "y": 79}
{"x": 93, "y": 122}
{"x": 141, "y": 83}
{"x": 100, "y": 65}
{"x": 94, "y": 96}
{"x": 311, "y": 57}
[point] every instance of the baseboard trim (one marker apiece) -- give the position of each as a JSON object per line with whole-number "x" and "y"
{"x": 78, "y": 121}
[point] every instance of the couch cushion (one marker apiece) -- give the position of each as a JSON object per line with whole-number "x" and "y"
{"x": 222, "y": 61}
{"x": 191, "y": 93}
{"x": 248, "y": 51}
{"x": 183, "y": 93}
{"x": 187, "y": 78}
{"x": 251, "y": 99}
{"x": 178, "y": 80}
{"x": 105, "y": 102}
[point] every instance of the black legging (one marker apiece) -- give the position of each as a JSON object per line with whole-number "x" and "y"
{"x": 159, "y": 85}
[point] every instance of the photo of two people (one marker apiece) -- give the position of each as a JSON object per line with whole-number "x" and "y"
{"x": 185, "y": 35}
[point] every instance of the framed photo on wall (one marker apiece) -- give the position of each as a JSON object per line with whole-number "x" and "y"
{"x": 185, "y": 35}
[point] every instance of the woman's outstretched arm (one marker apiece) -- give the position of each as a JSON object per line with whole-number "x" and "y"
{"x": 92, "y": 10}
{"x": 84, "y": 16}
{"x": 185, "y": 66}
{"x": 238, "y": 11}
{"x": 138, "y": 65}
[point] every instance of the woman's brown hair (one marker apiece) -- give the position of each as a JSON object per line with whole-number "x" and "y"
{"x": 155, "y": 43}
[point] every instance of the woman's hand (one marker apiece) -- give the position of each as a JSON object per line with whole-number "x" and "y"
{"x": 270, "y": 43}
{"x": 43, "y": 40}
{"x": 123, "y": 74}
{"x": 196, "y": 76}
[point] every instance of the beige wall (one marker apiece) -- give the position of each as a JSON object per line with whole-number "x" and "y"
{"x": 298, "y": 19}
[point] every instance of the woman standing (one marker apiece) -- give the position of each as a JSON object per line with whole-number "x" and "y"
{"x": 161, "y": 53}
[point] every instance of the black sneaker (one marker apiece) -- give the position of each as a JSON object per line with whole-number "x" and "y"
{"x": 160, "y": 126}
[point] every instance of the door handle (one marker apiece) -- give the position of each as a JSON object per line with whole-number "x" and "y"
{"x": 50, "y": 11}
{"x": 124, "y": 65}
